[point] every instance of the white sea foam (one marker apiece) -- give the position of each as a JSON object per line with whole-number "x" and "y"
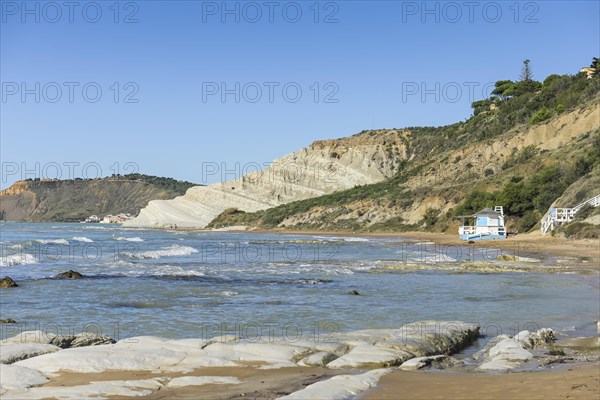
{"x": 171, "y": 251}
{"x": 18, "y": 246}
{"x": 130, "y": 239}
{"x": 83, "y": 239}
{"x": 52, "y": 241}
{"x": 355, "y": 239}
{"x": 17, "y": 259}
{"x": 342, "y": 238}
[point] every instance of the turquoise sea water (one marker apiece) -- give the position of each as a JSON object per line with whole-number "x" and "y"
{"x": 192, "y": 284}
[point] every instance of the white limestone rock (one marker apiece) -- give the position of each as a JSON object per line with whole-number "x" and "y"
{"x": 369, "y": 356}
{"x": 420, "y": 362}
{"x": 361, "y": 349}
{"x": 93, "y": 390}
{"x": 541, "y": 337}
{"x": 507, "y": 354}
{"x": 62, "y": 341}
{"x": 277, "y": 354}
{"x": 14, "y": 377}
{"x": 339, "y": 387}
{"x": 13, "y": 352}
{"x": 142, "y": 353}
{"x": 307, "y": 173}
{"x": 183, "y": 381}
{"x": 318, "y": 359}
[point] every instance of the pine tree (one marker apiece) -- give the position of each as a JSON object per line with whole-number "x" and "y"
{"x": 526, "y": 74}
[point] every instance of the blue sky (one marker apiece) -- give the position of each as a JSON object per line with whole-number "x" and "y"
{"x": 170, "y": 60}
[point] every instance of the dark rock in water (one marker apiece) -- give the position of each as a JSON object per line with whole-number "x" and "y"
{"x": 80, "y": 340}
{"x": 354, "y": 293}
{"x": 7, "y": 321}
{"x": 7, "y": 282}
{"x": 70, "y": 274}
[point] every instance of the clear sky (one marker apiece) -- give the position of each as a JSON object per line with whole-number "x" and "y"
{"x": 187, "y": 83}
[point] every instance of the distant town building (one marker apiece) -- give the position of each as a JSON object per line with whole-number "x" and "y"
{"x": 92, "y": 219}
{"x": 116, "y": 219}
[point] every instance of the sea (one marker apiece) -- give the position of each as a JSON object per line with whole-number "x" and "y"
{"x": 184, "y": 284}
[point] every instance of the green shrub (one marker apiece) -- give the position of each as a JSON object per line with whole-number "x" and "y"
{"x": 529, "y": 220}
{"x": 430, "y": 218}
{"x": 580, "y": 230}
{"x": 583, "y": 213}
{"x": 542, "y": 115}
{"x": 521, "y": 156}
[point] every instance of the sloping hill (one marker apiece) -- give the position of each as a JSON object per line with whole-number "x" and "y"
{"x": 74, "y": 200}
{"x": 324, "y": 167}
{"x": 524, "y": 165}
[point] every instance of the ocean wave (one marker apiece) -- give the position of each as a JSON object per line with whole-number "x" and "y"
{"x": 17, "y": 259}
{"x": 130, "y": 239}
{"x": 18, "y": 246}
{"x": 171, "y": 251}
{"x": 82, "y": 239}
{"x": 53, "y": 241}
{"x": 338, "y": 239}
{"x": 356, "y": 239}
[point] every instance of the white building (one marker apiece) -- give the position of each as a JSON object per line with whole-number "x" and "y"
{"x": 488, "y": 224}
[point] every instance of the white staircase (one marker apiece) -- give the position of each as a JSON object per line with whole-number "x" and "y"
{"x": 557, "y": 216}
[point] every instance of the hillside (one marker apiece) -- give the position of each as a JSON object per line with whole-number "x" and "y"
{"x": 76, "y": 199}
{"x": 522, "y": 152}
{"x": 324, "y": 167}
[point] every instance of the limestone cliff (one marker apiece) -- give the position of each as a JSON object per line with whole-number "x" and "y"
{"x": 324, "y": 167}
{"x": 524, "y": 153}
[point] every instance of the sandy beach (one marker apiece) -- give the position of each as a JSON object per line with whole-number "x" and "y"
{"x": 574, "y": 382}
{"x": 579, "y": 381}
{"x": 256, "y": 383}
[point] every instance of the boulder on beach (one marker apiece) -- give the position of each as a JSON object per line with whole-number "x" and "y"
{"x": 62, "y": 341}
{"x": 7, "y": 282}
{"x": 420, "y": 362}
{"x": 506, "y": 353}
{"x": 70, "y": 274}
{"x": 80, "y": 340}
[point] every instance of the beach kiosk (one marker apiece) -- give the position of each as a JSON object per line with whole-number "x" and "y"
{"x": 488, "y": 224}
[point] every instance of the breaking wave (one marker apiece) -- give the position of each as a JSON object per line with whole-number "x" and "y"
{"x": 132, "y": 239}
{"x": 83, "y": 239}
{"x": 17, "y": 259}
{"x": 53, "y": 241}
{"x": 171, "y": 251}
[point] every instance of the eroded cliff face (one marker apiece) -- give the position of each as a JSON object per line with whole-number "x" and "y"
{"x": 374, "y": 156}
{"x": 324, "y": 167}
{"x": 449, "y": 175}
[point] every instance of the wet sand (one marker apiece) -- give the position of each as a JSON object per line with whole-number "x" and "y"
{"x": 580, "y": 381}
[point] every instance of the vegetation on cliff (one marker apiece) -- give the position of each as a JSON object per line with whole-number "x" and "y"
{"x": 527, "y": 181}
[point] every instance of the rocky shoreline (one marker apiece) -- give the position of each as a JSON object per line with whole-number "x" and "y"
{"x": 32, "y": 363}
